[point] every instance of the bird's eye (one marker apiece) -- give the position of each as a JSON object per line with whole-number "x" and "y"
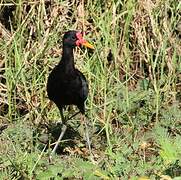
{"x": 74, "y": 38}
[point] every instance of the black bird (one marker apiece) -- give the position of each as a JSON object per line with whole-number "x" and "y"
{"x": 66, "y": 84}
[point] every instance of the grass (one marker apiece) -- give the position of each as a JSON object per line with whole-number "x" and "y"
{"x": 133, "y": 108}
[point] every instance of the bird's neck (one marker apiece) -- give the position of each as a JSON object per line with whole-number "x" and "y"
{"x": 67, "y": 58}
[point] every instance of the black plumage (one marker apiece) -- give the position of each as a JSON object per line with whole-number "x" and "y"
{"x": 66, "y": 84}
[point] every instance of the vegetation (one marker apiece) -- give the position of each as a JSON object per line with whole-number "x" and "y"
{"x": 134, "y": 104}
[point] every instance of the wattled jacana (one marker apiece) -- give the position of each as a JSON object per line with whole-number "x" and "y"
{"x": 66, "y": 84}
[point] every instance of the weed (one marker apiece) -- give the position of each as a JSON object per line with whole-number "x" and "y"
{"x": 134, "y": 100}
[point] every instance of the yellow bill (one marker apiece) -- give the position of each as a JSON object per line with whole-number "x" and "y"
{"x": 86, "y": 44}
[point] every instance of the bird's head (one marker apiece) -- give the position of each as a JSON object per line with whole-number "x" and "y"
{"x": 75, "y": 38}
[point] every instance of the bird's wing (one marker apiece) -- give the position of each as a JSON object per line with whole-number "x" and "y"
{"x": 83, "y": 87}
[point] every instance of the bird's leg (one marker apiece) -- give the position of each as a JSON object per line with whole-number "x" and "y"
{"x": 87, "y": 133}
{"x": 73, "y": 115}
{"x": 64, "y": 128}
